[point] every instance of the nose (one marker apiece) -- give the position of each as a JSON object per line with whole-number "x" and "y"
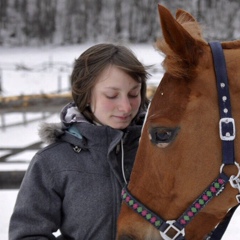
{"x": 125, "y": 105}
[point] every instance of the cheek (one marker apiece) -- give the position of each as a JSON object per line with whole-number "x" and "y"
{"x": 105, "y": 105}
{"x": 136, "y": 103}
{"x": 100, "y": 104}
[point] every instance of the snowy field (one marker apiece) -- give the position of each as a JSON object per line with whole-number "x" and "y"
{"x": 18, "y": 77}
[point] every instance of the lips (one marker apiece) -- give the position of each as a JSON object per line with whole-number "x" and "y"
{"x": 123, "y": 118}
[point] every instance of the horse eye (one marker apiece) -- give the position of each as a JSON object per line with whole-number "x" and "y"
{"x": 162, "y": 136}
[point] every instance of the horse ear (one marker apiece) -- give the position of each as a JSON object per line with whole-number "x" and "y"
{"x": 183, "y": 16}
{"x": 178, "y": 39}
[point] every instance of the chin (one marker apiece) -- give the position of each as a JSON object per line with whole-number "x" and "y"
{"x": 120, "y": 126}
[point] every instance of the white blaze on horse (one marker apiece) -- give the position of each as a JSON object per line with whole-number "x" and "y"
{"x": 185, "y": 182}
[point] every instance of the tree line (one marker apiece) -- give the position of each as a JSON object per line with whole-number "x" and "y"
{"x": 34, "y": 22}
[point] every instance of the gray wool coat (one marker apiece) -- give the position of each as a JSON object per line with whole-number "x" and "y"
{"x": 74, "y": 184}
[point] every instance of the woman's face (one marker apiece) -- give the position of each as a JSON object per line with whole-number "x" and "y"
{"x": 116, "y": 98}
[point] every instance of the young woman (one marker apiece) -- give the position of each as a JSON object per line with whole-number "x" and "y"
{"x": 74, "y": 184}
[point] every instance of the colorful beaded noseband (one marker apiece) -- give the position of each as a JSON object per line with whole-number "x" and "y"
{"x": 178, "y": 225}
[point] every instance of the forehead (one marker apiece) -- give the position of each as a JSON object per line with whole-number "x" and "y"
{"x": 115, "y": 78}
{"x": 170, "y": 100}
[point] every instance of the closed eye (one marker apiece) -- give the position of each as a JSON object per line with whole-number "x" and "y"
{"x": 133, "y": 96}
{"x": 111, "y": 97}
{"x": 163, "y": 136}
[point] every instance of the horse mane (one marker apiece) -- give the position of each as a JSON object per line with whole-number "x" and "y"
{"x": 173, "y": 63}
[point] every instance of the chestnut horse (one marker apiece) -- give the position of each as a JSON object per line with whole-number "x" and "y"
{"x": 185, "y": 179}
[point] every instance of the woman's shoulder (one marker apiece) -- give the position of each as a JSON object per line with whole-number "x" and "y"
{"x": 52, "y": 152}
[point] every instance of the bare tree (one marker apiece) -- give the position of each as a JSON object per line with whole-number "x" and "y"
{"x": 3, "y": 19}
{"x": 24, "y": 22}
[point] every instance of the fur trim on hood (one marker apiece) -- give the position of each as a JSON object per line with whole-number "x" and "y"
{"x": 50, "y": 132}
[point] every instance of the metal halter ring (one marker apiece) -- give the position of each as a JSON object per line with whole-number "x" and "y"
{"x": 236, "y": 164}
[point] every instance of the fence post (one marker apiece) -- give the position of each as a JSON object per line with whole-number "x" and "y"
{"x": 50, "y": 63}
{"x": 24, "y": 117}
{"x": 3, "y": 121}
{"x": 69, "y": 82}
{"x": 1, "y": 89}
{"x": 59, "y": 83}
{"x": 44, "y": 116}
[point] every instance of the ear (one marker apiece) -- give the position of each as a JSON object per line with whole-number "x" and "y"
{"x": 176, "y": 36}
{"x": 183, "y": 16}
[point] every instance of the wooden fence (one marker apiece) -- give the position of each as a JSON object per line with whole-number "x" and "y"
{"x": 45, "y": 103}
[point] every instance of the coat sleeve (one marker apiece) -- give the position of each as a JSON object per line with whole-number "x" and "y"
{"x": 37, "y": 212}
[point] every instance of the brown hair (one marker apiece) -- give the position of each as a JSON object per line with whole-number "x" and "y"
{"x": 93, "y": 61}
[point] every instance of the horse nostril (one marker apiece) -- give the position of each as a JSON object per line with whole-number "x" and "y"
{"x": 125, "y": 237}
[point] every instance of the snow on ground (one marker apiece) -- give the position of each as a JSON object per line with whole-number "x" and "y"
{"x": 44, "y": 66}
{"x": 7, "y": 200}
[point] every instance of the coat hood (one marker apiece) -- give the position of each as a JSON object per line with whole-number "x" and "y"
{"x": 51, "y": 132}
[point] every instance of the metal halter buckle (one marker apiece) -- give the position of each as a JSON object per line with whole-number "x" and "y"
{"x": 227, "y": 136}
{"x": 179, "y": 232}
{"x": 235, "y": 182}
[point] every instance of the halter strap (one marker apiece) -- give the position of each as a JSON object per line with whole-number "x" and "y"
{"x": 226, "y": 123}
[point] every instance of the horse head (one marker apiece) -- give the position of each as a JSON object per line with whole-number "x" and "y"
{"x": 180, "y": 151}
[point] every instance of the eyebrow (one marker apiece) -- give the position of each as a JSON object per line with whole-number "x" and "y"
{"x": 135, "y": 87}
